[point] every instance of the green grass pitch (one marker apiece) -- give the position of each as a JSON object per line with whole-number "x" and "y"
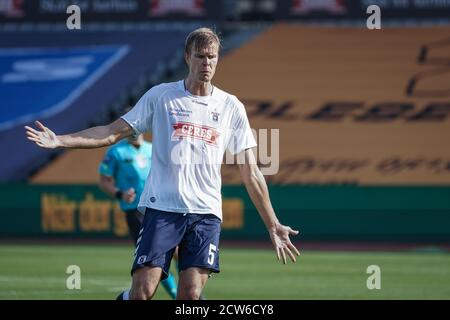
{"x": 39, "y": 272}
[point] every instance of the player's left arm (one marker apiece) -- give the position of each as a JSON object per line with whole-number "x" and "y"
{"x": 257, "y": 189}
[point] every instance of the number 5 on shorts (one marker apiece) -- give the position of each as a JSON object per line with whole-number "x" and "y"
{"x": 212, "y": 250}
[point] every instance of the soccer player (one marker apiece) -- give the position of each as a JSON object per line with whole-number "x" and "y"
{"x": 193, "y": 122}
{"x": 123, "y": 172}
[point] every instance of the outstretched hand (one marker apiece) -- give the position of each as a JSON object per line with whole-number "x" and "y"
{"x": 44, "y": 137}
{"x": 283, "y": 245}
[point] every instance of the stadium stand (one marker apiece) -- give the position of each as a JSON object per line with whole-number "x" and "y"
{"x": 340, "y": 99}
{"x": 71, "y": 80}
{"x": 352, "y": 106}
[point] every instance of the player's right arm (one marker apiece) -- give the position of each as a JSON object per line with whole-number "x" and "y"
{"x": 94, "y": 137}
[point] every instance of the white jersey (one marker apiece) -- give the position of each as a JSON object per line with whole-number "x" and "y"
{"x": 190, "y": 136}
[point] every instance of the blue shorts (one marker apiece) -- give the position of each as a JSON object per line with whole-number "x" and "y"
{"x": 196, "y": 235}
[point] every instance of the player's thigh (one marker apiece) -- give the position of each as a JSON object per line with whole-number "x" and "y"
{"x": 161, "y": 233}
{"x": 200, "y": 245}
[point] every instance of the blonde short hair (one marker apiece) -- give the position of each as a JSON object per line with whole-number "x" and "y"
{"x": 201, "y": 38}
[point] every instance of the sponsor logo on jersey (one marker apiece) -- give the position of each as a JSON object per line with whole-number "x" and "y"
{"x": 179, "y": 112}
{"x": 205, "y": 133}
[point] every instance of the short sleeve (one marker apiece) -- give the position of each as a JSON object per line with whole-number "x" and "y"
{"x": 241, "y": 135}
{"x": 108, "y": 165}
{"x": 140, "y": 117}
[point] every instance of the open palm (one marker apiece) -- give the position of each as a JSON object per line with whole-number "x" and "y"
{"x": 283, "y": 245}
{"x": 44, "y": 137}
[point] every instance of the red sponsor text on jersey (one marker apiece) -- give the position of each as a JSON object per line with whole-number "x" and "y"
{"x": 205, "y": 133}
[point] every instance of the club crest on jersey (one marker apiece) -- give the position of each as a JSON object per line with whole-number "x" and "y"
{"x": 214, "y": 116}
{"x": 185, "y": 130}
